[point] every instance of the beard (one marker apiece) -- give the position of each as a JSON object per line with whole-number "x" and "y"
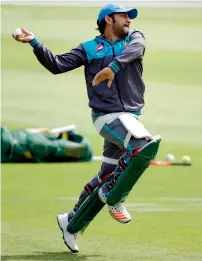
{"x": 120, "y": 31}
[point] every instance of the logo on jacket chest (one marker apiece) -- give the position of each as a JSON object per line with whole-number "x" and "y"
{"x": 99, "y": 48}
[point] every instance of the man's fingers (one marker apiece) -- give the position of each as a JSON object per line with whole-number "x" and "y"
{"x": 109, "y": 83}
{"x": 22, "y": 39}
{"x": 96, "y": 80}
{"x": 102, "y": 76}
{"x": 16, "y": 37}
{"x": 25, "y": 31}
{"x": 23, "y": 35}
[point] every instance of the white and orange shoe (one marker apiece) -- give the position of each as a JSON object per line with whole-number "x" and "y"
{"x": 119, "y": 213}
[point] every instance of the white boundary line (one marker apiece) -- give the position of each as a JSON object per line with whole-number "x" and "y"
{"x": 156, "y": 201}
{"x": 183, "y": 204}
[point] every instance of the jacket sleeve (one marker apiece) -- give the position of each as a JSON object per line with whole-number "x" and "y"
{"x": 135, "y": 50}
{"x": 60, "y": 63}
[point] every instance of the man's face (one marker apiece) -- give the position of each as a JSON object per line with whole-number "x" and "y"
{"x": 121, "y": 24}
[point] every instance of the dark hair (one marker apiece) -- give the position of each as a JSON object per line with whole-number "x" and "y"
{"x": 101, "y": 25}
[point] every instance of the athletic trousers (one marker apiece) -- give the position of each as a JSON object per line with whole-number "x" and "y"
{"x": 114, "y": 154}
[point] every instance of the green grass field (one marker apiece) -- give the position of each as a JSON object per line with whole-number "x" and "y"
{"x": 166, "y": 204}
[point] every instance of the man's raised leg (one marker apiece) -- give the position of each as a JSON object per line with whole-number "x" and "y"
{"x": 128, "y": 171}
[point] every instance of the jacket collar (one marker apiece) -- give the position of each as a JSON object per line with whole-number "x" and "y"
{"x": 101, "y": 39}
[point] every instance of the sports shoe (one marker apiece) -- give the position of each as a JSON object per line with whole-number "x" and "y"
{"x": 118, "y": 211}
{"x": 69, "y": 239}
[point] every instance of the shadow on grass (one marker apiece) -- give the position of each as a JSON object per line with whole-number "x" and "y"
{"x": 49, "y": 256}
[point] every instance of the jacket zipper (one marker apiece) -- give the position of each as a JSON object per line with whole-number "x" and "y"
{"x": 117, "y": 84}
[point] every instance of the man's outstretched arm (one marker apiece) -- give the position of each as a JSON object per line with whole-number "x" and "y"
{"x": 56, "y": 64}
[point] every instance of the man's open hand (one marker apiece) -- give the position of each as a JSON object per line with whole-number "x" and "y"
{"x": 105, "y": 74}
{"x": 24, "y": 37}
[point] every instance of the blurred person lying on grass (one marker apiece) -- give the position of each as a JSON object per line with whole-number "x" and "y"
{"x": 113, "y": 63}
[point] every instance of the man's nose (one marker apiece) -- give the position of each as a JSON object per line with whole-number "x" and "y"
{"x": 128, "y": 20}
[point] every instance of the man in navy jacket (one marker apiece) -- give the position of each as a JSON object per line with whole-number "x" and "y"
{"x": 113, "y": 73}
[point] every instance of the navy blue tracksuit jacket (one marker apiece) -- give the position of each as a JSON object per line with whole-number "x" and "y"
{"x": 124, "y": 57}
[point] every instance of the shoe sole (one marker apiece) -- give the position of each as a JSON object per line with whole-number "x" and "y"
{"x": 72, "y": 250}
{"x": 122, "y": 222}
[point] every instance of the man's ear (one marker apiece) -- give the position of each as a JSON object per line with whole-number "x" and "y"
{"x": 108, "y": 20}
